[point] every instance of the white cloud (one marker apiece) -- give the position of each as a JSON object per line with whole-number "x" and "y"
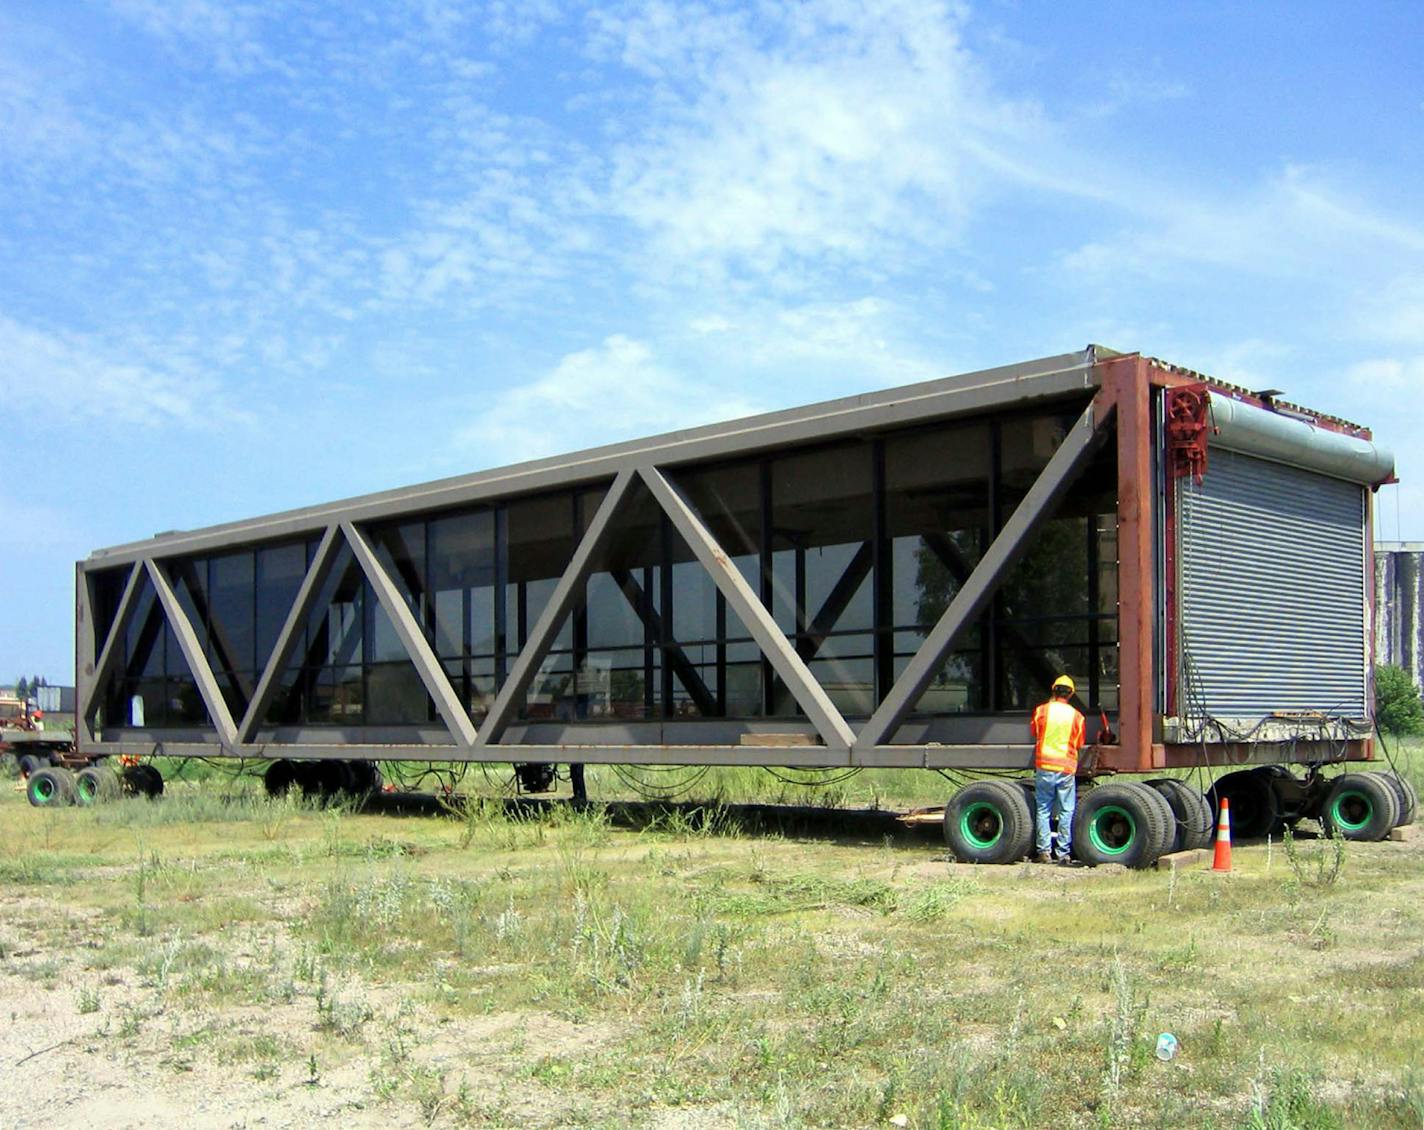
{"x": 62, "y": 377}
{"x": 837, "y": 130}
{"x": 850, "y": 344}
{"x": 227, "y": 35}
{"x": 1293, "y": 222}
{"x": 1388, "y": 373}
{"x": 614, "y": 391}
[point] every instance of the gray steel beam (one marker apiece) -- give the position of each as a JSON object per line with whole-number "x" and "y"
{"x": 84, "y": 645}
{"x": 192, "y": 651}
{"x": 969, "y": 393}
{"x": 831, "y": 610}
{"x": 282, "y": 648}
{"x": 682, "y": 667}
{"x": 222, "y": 644}
{"x": 820, "y": 711}
{"x": 110, "y": 649}
{"x": 541, "y": 636}
{"x": 412, "y": 637}
{"x": 961, "y": 567}
{"x": 1062, "y": 471}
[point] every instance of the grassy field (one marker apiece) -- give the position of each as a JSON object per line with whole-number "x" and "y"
{"x": 217, "y": 959}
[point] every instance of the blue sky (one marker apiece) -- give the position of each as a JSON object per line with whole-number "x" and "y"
{"x": 257, "y": 255}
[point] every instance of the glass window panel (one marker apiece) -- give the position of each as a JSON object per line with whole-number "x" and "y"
{"x": 688, "y": 698}
{"x": 694, "y": 601}
{"x": 728, "y": 499}
{"x": 400, "y": 548}
{"x": 849, "y": 683}
{"x": 395, "y": 694}
{"x": 231, "y": 612}
{"x": 1023, "y": 680}
{"x": 280, "y": 570}
{"x": 937, "y": 515}
{"x": 384, "y": 644}
{"x": 462, "y": 579}
{"x": 614, "y": 684}
{"x": 184, "y": 705}
{"x": 822, "y": 515}
{"x": 958, "y": 687}
{"x": 744, "y": 699}
{"x": 107, "y": 588}
{"x": 552, "y": 692}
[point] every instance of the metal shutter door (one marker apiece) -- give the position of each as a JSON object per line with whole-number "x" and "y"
{"x": 1272, "y": 591}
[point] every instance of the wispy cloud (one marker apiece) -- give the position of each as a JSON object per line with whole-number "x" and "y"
{"x": 57, "y": 378}
{"x": 616, "y": 390}
{"x": 832, "y": 131}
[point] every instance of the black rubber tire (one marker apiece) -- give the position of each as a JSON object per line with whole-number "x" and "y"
{"x": 335, "y": 778}
{"x": 365, "y": 777}
{"x": 989, "y": 822}
{"x": 144, "y": 780}
{"x": 307, "y": 776}
{"x": 95, "y": 784}
{"x": 1359, "y": 806}
{"x": 280, "y": 777}
{"x": 1404, "y": 793}
{"x": 50, "y": 787}
{"x": 1120, "y": 823}
{"x": 29, "y": 763}
{"x": 1191, "y": 815}
{"x": 1168, "y": 833}
{"x": 1255, "y": 808}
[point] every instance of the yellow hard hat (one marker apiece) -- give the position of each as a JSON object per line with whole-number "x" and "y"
{"x": 1065, "y": 681}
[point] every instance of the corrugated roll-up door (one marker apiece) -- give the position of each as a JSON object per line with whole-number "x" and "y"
{"x": 1272, "y": 591}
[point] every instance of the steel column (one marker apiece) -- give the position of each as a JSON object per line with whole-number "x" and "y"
{"x": 1128, "y": 393}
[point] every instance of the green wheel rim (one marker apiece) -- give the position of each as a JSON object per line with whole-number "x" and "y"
{"x": 85, "y": 790}
{"x": 43, "y": 791}
{"x": 977, "y": 823}
{"x": 1106, "y": 830}
{"x": 1340, "y": 817}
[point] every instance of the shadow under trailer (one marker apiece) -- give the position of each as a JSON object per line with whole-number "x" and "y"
{"x": 888, "y": 580}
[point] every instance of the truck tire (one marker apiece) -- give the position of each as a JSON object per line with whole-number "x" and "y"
{"x": 280, "y": 776}
{"x": 366, "y": 777}
{"x": 29, "y": 763}
{"x": 1120, "y": 823}
{"x": 144, "y": 780}
{"x": 1359, "y": 806}
{"x": 1255, "y": 808}
{"x": 95, "y": 784}
{"x": 1191, "y": 815}
{"x": 988, "y": 822}
{"x": 1404, "y": 793}
{"x": 1168, "y": 820}
{"x": 50, "y": 788}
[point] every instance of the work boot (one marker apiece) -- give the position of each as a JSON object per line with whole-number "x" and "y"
{"x": 1043, "y": 857}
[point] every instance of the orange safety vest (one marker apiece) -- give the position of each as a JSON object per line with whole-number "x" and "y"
{"x": 1060, "y": 730}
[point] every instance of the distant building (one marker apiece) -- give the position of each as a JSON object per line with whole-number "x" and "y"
{"x": 1399, "y": 604}
{"x": 55, "y": 700}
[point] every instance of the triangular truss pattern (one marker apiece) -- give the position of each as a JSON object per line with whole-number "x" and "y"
{"x": 978, "y": 585}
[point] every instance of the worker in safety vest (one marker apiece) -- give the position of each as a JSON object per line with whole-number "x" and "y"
{"x": 1058, "y": 730}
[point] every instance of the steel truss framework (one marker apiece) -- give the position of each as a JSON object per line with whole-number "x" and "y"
{"x": 1120, "y": 387}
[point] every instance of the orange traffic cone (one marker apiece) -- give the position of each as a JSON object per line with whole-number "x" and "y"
{"x": 1221, "y": 861}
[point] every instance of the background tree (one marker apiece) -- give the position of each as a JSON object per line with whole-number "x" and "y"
{"x": 22, "y": 688}
{"x": 1398, "y": 707}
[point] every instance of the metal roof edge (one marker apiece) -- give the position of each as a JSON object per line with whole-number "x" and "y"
{"x": 592, "y": 463}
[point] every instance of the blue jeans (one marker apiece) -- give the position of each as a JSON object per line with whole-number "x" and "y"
{"x": 1056, "y": 794}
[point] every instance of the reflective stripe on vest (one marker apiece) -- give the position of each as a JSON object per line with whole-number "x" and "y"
{"x": 1059, "y": 729}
